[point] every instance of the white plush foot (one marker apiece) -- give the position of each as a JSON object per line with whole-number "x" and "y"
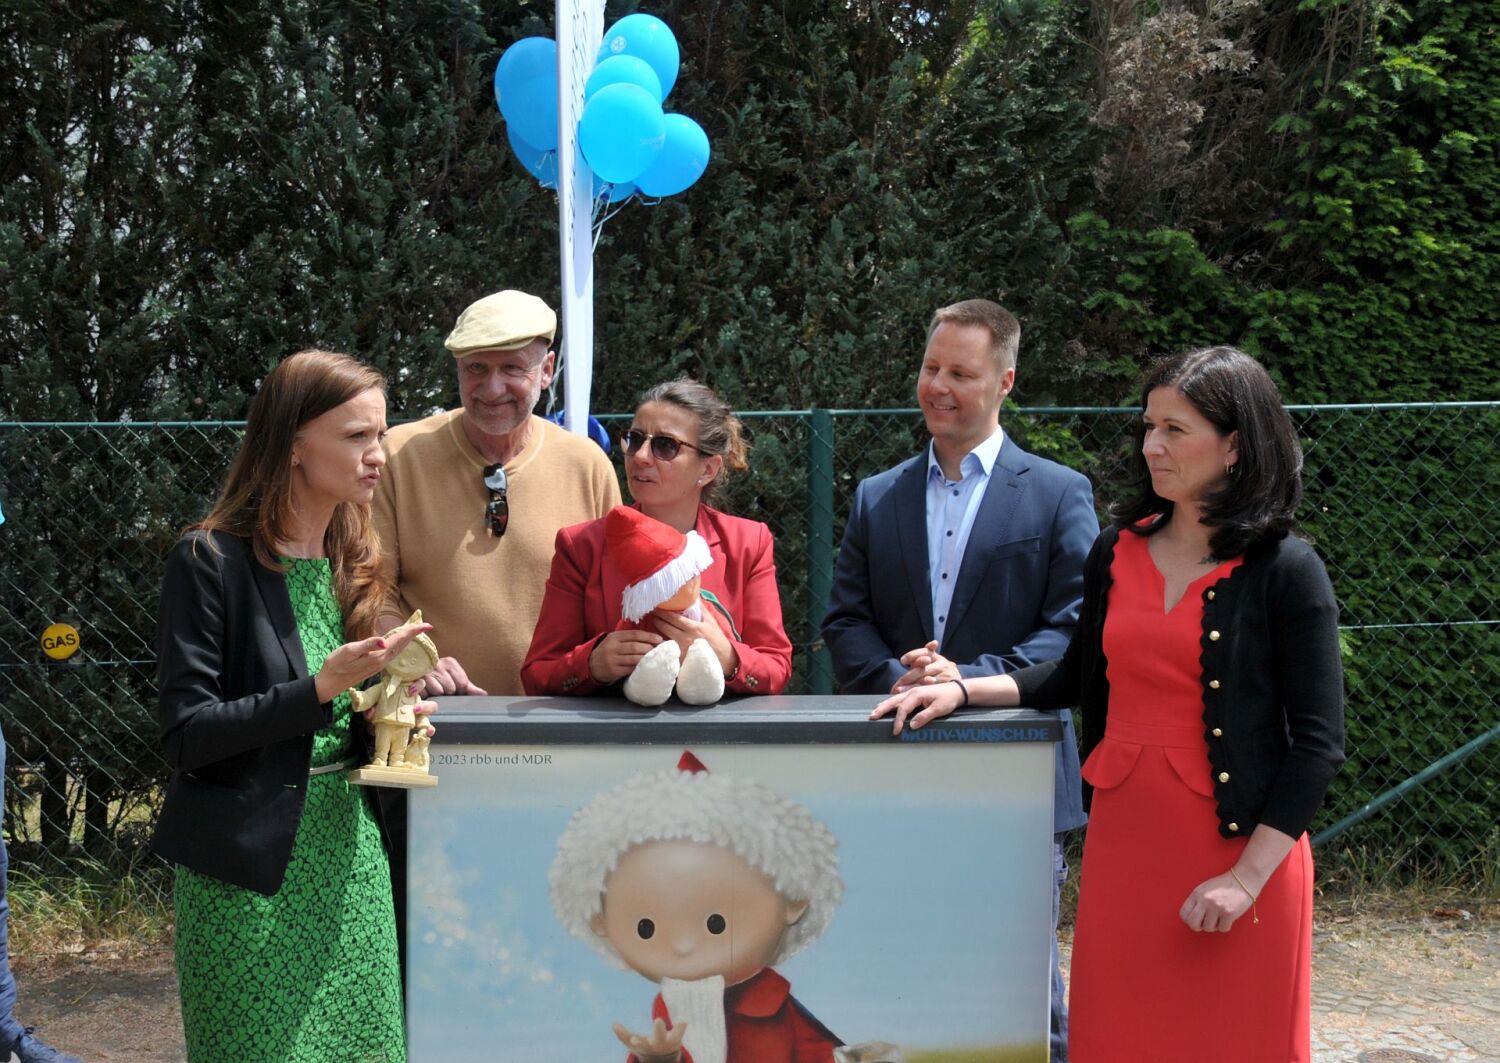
{"x": 652, "y": 681}
{"x": 701, "y": 680}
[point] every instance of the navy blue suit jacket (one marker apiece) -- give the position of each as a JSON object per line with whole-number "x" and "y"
{"x": 1015, "y": 602}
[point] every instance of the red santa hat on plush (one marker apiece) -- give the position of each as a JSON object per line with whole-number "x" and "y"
{"x": 773, "y": 834}
{"x": 655, "y": 558}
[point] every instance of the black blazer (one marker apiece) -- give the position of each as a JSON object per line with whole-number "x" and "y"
{"x": 1273, "y": 684}
{"x": 236, "y": 710}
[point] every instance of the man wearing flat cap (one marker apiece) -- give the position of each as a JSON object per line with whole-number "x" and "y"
{"x": 470, "y": 501}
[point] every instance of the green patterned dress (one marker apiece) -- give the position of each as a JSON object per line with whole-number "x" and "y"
{"x": 309, "y": 975}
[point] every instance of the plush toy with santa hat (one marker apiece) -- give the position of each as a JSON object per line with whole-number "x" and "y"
{"x": 661, "y": 567}
{"x": 700, "y": 882}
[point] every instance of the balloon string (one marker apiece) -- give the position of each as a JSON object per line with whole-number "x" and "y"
{"x": 603, "y": 212}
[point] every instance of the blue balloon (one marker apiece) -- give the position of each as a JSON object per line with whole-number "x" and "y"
{"x": 621, "y": 132}
{"x": 645, "y": 37}
{"x": 616, "y": 193}
{"x": 597, "y": 431}
{"x": 526, "y": 90}
{"x": 682, "y": 161}
{"x": 540, "y": 164}
{"x": 626, "y": 70}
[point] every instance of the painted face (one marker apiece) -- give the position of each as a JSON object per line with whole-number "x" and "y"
{"x": 412, "y": 661}
{"x": 1184, "y": 450}
{"x": 337, "y": 456}
{"x": 960, "y": 386}
{"x": 692, "y": 910}
{"x": 656, "y": 482}
{"x": 499, "y": 389}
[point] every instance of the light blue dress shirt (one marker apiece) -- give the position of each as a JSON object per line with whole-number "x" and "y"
{"x": 951, "y": 508}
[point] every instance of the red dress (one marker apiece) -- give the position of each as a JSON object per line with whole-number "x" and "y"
{"x": 1145, "y": 988}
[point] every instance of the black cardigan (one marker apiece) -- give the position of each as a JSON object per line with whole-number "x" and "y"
{"x": 237, "y": 711}
{"x": 1273, "y": 686}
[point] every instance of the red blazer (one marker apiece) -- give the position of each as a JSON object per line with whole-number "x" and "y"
{"x": 763, "y": 1023}
{"x": 582, "y": 605}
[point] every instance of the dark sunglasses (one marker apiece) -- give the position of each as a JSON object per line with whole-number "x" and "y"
{"x": 663, "y": 448}
{"x": 497, "y": 510}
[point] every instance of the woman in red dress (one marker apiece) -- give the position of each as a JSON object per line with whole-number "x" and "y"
{"x": 1206, "y": 666}
{"x": 681, "y": 445}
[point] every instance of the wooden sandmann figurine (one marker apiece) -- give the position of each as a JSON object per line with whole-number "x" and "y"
{"x": 400, "y": 739}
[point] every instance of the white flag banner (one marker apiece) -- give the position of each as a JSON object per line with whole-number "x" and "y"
{"x": 580, "y": 29}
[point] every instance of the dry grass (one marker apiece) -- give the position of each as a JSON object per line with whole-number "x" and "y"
{"x": 73, "y": 914}
{"x": 1392, "y": 935}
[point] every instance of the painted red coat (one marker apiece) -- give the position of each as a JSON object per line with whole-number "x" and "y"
{"x": 582, "y": 605}
{"x": 765, "y": 1024}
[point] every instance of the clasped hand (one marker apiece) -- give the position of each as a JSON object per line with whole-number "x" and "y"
{"x": 924, "y": 665}
{"x": 615, "y": 655}
{"x": 685, "y": 632}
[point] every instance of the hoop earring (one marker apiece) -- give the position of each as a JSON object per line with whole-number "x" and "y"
{"x": 1229, "y": 468}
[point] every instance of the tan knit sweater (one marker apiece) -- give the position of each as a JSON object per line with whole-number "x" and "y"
{"x": 482, "y": 594}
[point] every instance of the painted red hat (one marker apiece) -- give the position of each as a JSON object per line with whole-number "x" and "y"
{"x": 655, "y": 558}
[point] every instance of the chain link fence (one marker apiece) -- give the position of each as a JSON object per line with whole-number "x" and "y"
{"x": 1403, "y": 502}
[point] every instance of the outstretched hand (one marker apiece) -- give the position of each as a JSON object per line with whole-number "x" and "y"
{"x": 920, "y": 705}
{"x": 661, "y": 1045}
{"x": 354, "y": 662}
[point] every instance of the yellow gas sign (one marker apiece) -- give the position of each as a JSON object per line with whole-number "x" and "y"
{"x": 60, "y": 641}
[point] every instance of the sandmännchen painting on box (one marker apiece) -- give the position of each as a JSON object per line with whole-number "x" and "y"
{"x": 731, "y": 904}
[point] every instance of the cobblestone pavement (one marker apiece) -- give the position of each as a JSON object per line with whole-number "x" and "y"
{"x": 1385, "y": 990}
{"x": 1407, "y": 992}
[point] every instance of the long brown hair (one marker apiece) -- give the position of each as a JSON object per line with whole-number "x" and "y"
{"x": 255, "y": 502}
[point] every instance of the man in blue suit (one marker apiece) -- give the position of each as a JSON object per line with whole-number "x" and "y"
{"x": 967, "y": 560}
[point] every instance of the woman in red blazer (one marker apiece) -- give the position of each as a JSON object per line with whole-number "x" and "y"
{"x": 681, "y": 445}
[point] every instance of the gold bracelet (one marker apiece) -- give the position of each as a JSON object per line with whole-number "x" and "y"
{"x": 1254, "y": 909}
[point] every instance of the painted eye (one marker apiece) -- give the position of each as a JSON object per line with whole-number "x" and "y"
{"x": 645, "y": 928}
{"x": 716, "y": 924}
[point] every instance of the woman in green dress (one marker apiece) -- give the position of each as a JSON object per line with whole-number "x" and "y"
{"x": 286, "y": 942}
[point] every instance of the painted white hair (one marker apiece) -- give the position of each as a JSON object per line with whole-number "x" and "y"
{"x": 774, "y": 834}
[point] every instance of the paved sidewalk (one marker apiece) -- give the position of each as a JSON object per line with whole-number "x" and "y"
{"x": 1385, "y": 990}
{"x": 1407, "y": 992}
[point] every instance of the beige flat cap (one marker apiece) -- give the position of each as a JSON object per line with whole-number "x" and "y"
{"x": 503, "y": 321}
